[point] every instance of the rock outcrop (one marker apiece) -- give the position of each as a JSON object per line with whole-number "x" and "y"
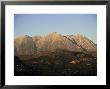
{"x": 83, "y": 42}
{"x": 24, "y": 45}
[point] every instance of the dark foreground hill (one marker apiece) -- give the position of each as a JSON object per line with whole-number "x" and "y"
{"x": 61, "y": 64}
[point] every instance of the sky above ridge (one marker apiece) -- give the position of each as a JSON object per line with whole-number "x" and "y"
{"x": 65, "y": 24}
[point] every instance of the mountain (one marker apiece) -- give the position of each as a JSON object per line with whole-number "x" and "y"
{"x": 83, "y": 42}
{"x": 54, "y": 54}
{"x": 24, "y": 45}
{"x": 55, "y": 41}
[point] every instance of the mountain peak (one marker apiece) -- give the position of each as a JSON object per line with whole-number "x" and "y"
{"x": 54, "y": 33}
{"x": 54, "y": 36}
{"x": 22, "y": 37}
{"x": 79, "y": 35}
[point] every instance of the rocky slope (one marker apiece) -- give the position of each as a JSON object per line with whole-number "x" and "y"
{"x": 55, "y": 41}
{"x": 36, "y": 39}
{"x": 26, "y": 45}
{"x": 83, "y": 42}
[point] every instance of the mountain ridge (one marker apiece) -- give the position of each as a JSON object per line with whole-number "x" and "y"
{"x": 53, "y": 41}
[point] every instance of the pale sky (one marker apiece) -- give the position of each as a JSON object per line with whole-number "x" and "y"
{"x": 65, "y": 24}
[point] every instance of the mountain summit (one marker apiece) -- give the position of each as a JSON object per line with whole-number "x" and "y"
{"x": 55, "y": 41}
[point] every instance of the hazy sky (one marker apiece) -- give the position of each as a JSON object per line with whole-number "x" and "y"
{"x": 66, "y": 24}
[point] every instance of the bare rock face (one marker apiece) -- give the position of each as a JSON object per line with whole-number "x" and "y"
{"x": 24, "y": 45}
{"x": 55, "y": 41}
{"x": 83, "y": 42}
{"x": 36, "y": 39}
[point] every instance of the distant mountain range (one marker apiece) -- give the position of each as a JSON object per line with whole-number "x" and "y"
{"x": 26, "y": 45}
